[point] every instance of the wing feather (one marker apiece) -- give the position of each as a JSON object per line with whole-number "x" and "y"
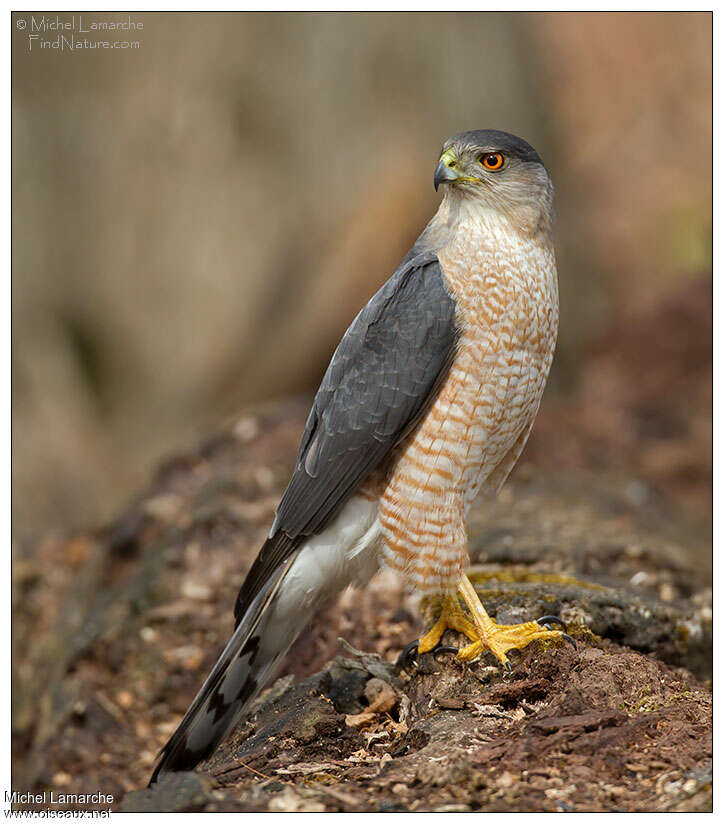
{"x": 381, "y": 380}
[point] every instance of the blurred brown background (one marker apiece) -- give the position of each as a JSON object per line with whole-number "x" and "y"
{"x": 196, "y": 221}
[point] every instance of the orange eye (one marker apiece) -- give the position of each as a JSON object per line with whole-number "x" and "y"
{"x": 492, "y": 161}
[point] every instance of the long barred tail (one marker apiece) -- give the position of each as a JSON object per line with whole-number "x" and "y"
{"x": 319, "y": 568}
{"x": 262, "y": 637}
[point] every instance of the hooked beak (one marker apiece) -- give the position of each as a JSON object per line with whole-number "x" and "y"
{"x": 446, "y": 171}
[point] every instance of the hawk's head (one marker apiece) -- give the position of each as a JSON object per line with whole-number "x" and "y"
{"x": 501, "y": 172}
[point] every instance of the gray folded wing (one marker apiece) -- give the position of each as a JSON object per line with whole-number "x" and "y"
{"x": 381, "y": 380}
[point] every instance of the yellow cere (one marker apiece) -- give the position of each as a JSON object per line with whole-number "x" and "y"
{"x": 448, "y": 157}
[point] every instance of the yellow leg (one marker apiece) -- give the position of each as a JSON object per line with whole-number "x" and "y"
{"x": 482, "y": 630}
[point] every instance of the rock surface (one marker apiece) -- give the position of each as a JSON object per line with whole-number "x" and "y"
{"x": 115, "y": 630}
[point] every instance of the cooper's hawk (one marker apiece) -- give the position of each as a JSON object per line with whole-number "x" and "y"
{"x": 429, "y": 398}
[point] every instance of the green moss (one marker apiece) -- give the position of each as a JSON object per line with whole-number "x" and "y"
{"x": 522, "y": 575}
{"x": 321, "y": 777}
{"x": 646, "y": 702}
{"x": 678, "y": 696}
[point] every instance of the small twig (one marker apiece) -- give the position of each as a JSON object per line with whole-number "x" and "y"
{"x": 256, "y": 772}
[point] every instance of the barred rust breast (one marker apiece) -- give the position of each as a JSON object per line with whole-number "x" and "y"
{"x": 477, "y": 427}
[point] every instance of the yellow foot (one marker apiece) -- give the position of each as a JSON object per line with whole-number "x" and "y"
{"x": 501, "y": 638}
{"x": 451, "y": 617}
{"x": 485, "y": 633}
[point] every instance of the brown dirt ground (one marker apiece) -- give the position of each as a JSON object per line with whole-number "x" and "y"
{"x": 598, "y": 729}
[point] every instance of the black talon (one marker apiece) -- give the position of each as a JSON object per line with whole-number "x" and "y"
{"x": 570, "y": 640}
{"x": 440, "y": 648}
{"x": 554, "y": 619}
{"x": 410, "y": 652}
{"x": 509, "y": 667}
{"x": 550, "y": 619}
{"x": 407, "y": 654}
